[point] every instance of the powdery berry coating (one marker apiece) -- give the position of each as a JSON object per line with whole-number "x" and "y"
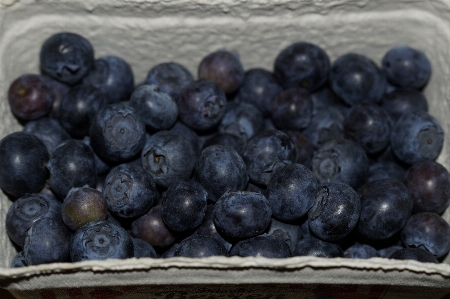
{"x": 292, "y": 109}
{"x": 416, "y": 254}
{"x": 264, "y": 245}
{"x": 311, "y": 246}
{"x": 291, "y": 233}
{"x": 326, "y": 124}
{"x": 47, "y": 130}
{"x": 242, "y": 120}
{"x": 360, "y": 251}
{"x": 200, "y": 246}
{"x": 402, "y": 101}
{"x": 143, "y": 249}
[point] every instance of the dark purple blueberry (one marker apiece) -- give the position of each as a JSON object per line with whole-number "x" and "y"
{"x": 99, "y": 241}
{"x": 18, "y": 261}
{"x": 360, "y": 251}
{"x": 168, "y": 158}
{"x": 265, "y": 245}
{"x": 129, "y": 191}
{"x": 291, "y": 192}
{"x": 302, "y": 65}
{"x": 290, "y": 233}
{"x": 312, "y": 246}
{"x": 30, "y": 97}
{"x": 156, "y": 108}
{"x": 117, "y": 133}
{"x": 335, "y": 211}
{"x": 401, "y": 101}
{"x": 201, "y": 105}
{"x": 427, "y": 231}
{"x": 224, "y": 69}
{"x": 23, "y": 158}
{"x": 184, "y": 206}
{"x": 26, "y": 210}
{"x": 417, "y": 136}
{"x": 429, "y": 184}
{"x": 208, "y": 228}
{"x": 143, "y": 249}
{"x": 416, "y": 254}
{"x": 83, "y": 205}
{"x": 407, "y": 67}
{"x": 113, "y": 77}
{"x": 170, "y": 77}
{"x": 386, "y": 170}
{"x": 47, "y": 130}
{"x": 386, "y": 206}
{"x": 220, "y": 169}
{"x": 200, "y": 246}
{"x": 341, "y": 161}
{"x": 46, "y": 241}
{"x": 242, "y": 215}
{"x": 242, "y": 120}
{"x": 259, "y": 88}
{"x": 292, "y": 109}
{"x": 370, "y": 126}
{"x": 357, "y": 79}
{"x": 71, "y": 164}
{"x": 227, "y": 140}
{"x": 265, "y": 152}
{"x": 304, "y": 147}
{"x": 67, "y": 57}
{"x": 326, "y": 124}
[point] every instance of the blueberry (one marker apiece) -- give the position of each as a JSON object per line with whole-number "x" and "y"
{"x": 220, "y": 169}
{"x": 417, "y": 136}
{"x": 264, "y": 245}
{"x": 388, "y": 251}
{"x": 224, "y": 69}
{"x": 407, "y": 67}
{"x": 303, "y": 65}
{"x": 101, "y": 165}
{"x": 117, "y": 133}
{"x": 46, "y": 241}
{"x": 71, "y": 164}
{"x": 200, "y": 246}
{"x": 312, "y": 246}
{"x": 170, "y": 252}
{"x": 242, "y": 120}
{"x": 341, "y": 161}
{"x": 26, "y": 210}
{"x": 291, "y": 233}
{"x": 227, "y": 140}
{"x": 59, "y": 91}
{"x": 386, "y": 206}
{"x": 99, "y": 241}
{"x": 335, "y": 211}
{"x": 265, "y": 152}
{"x": 303, "y": 146}
{"x": 67, "y": 57}
{"x": 325, "y": 98}
{"x": 402, "y": 101}
{"x": 18, "y": 261}
{"x": 47, "y": 130}
{"x": 23, "y": 158}
{"x": 242, "y": 214}
{"x": 292, "y": 109}
{"x": 427, "y": 231}
{"x": 416, "y": 254}
{"x": 360, "y": 251}
{"x": 326, "y": 124}
{"x": 208, "y": 228}
{"x": 357, "y": 79}
{"x": 291, "y": 192}
{"x": 386, "y": 170}
{"x": 129, "y": 190}
{"x": 143, "y": 249}
{"x": 184, "y": 206}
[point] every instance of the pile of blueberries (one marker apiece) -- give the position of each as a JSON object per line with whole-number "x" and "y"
{"x": 315, "y": 158}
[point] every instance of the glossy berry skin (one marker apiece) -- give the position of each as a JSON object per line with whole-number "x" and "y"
{"x": 208, "y": 228}
{"x": 259, "y": 88}
{"x": 360, "y": 251}
{"x": 265, "y": 152}
{"x": 242, "y": 215}
{"x": 386, "y": 206}
{"x": 66, "y": 57}
{"x": 242, "y": 120}
{"x": 369, "y": 125}
{"x": 30, "y": 97}
{"x": 291, "y": 233}
{"x": 143, "y": 249}
{"x": 113, "y": 77}
{"x": 416, "y": 254}
{"x": 302, "y": 65}
{"x": 224, "y": 69}
{"x": 99, "y": 241}
{"x": 129, "y": 190}
{"x": 48, "y": 130}
{"x": 312, "y": 246}
{"x": 117, "y": 133}
{"x": 200, "y": 246}
{"x": 417, "y": 136}
{"x": 292, "y": 109}
{"x": 407, "y": 67}
{"x": 184, "y": 206}
{"x": 427, "y": 231}
{"x": 83, "y": 205}
{"x": 357, "y": 79}
{"x": 151, "y": 228}
{"x": 402, "y": 101}
{"x": 335, "y": 211}
{"x": 28, "y": 209}
{"x": 326, "y": 124}
{"x": 156, "y": 108}
{"x": 220, "y": 169}
{"x": 291, "y": 192}
{"x": 201, "y": 105}
{"x": 168, "y": 158}
{"x": 341, "y": 161}
{"x": 429, "y": 184}
{"x": 47, "y": 241}
{"x": 71, "y": 164}
{"x": 264, "y": 245}
{"x": 23, "y": 158}
{"x": 78, "y": 109}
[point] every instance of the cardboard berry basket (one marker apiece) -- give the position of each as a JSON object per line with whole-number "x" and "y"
{"x": 147, "y": 32}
